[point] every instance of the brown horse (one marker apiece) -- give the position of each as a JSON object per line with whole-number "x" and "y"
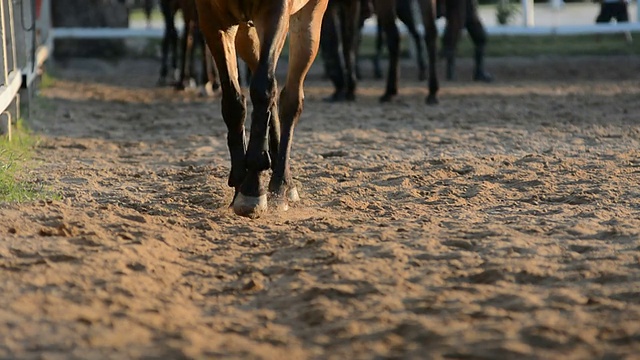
{"x": 191, "y": 39}
{"x": 256, "y": 30}
{"x": 386, "y": 11}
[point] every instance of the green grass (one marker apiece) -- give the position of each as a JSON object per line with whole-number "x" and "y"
{"x": 529, "y": 46}
{"x": 14, "y": 158}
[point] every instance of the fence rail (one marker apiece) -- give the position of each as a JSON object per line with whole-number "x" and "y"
{"x": 25, "y": 45}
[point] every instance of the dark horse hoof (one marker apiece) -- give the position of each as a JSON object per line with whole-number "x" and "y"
{"x": 431, "y": 100}
{"x": 340, "y": 96}
{"x": 386, "y": 98}
{"x": 483, "y": 76}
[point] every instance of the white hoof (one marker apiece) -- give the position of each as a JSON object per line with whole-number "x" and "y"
{"x": 250, "y": 206}
{"x": 292, "y": 194}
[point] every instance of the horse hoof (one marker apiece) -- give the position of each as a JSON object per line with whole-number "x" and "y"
{"x": 386, "y": 98}
{"x": 292, "y": 195}
{"x": 250, "y": 206}
{"x": 431, "y": 100}
{"x": 336, "y": 97}
{"x": 279, "y": 203}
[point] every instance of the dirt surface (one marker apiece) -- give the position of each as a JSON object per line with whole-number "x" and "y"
{"x": 503, "y": 223}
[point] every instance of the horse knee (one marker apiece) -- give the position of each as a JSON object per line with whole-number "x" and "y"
{"x": 262, "y": 90}
{"x": 291, "y": 105}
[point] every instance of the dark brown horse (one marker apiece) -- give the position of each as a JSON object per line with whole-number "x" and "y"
{"x": 256, "y": 30}
{"x": 387, "y": 12}
{"x": 191, "y": 41}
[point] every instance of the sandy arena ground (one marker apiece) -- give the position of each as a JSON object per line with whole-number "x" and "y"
{"x": 502, "y": 224}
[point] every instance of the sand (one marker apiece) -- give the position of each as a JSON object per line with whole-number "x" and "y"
{"x": 502, "y": 224}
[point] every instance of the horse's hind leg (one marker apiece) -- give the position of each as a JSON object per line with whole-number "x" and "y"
{"x": 405, "y": 15}
{"x": 234, "y": 109}
{"x": 304, "y": 39}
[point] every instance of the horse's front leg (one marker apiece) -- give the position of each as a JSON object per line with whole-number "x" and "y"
{"x": 271, "y": 24}
{"x": 405, "y": 14}
{"x": 349, "y": 29}
{"x": 455, "y": 14}
{"x": 222, "y": 45}
{"x": 304, "y": 39}
{"x": 386, "y": 12}
{"x": 431, "y": 34}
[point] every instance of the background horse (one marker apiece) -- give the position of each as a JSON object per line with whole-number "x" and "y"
{"x": 256, "y": 30}
{"x": 386, "y": 11}
{"x": 191, "y": 39}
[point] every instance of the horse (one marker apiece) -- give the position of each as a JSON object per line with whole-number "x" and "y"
{"x": 386, "y": 11}
{"x": 191, "y": 37}
{"x": 256, "y": 30}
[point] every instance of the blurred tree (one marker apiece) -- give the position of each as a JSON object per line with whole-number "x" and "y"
{"x": 89, "y": 13}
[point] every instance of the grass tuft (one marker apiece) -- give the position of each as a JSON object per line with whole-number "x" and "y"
{"x": 14, "y": 157}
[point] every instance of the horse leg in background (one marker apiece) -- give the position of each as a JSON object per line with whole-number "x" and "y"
{"x": 405, "y": 14}
{"x": 208, "y": 76}
{"x": 428, "y": 8}
{"x": 455, "y": 11}
{"x": 148, "y": 9}
{"x": 366, "y": 11}
{"x": 330, "y": 45}
{"x": 169, "y": 40}
{"x": 349, "y": 22}
{"x": 305, "y": 36}
{"x": 377, "y": 70}
{"x": 212, "y": 78}
{"x": 187, "y": 55}
{"x": 479, "y": 37}
{"x": 386, "y": 13}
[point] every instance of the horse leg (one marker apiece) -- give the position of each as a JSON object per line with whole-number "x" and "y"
{"x": 272, "y": 25}
{"x": 405, "y": 14}
{"x": 168, "y": 40}
{"x": 304, "y": 40}
{"x": 431, "y": 34}
{"x": 377, "y": 70}
{"x": 186, "y": 66}
{"x": 479, "y": 37}
{"x": 330, "y": 44}
{"x": 349, "y": 29}
{"x": 386, "y": 12}
{"x": 455, "y": 14}
{"x": 248, "y": 45}
{"x": 234, "y": 108}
